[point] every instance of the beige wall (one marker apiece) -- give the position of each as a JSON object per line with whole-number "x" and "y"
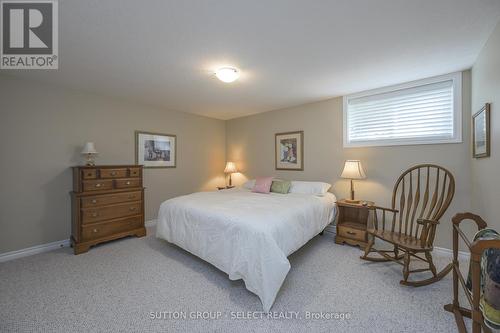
{"x": 42, "y": 129}
{"x": 485, "y": 171}
{"x": 250, "y": 143}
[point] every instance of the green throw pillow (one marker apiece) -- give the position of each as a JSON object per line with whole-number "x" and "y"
{"x": 281, "y": 186}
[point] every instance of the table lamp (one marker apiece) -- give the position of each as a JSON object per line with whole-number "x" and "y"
{"x": 230, "y": 169}
{"x": 353, "y": 170}
{"x": 89, "y": 152}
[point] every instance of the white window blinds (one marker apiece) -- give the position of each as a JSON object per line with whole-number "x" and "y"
{"x": 418, "y": 114}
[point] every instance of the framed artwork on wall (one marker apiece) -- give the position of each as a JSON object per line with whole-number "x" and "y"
{"x": 155, "y": 150}
{"x": 289, "y": 151}
{"x": 481, "y": 132}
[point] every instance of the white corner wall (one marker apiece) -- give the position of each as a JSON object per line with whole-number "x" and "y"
{"x": 486, "y": 171}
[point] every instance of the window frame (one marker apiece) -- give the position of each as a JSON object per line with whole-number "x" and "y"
{"x": 456, "y": 78}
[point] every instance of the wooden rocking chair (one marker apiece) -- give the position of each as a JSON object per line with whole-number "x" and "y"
{"x": 420, "y": 197}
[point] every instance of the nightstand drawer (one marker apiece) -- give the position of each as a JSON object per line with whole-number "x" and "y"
{"x": 352, "y": 233}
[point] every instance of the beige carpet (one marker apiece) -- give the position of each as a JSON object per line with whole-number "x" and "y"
{"x": 120, "y": 286}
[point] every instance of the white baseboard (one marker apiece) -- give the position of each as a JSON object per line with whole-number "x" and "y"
{"x": 441, "y": 250}
{"x": 33, "y": 250}
{"x": 448, "y": 252}
{"x": 46, "y": 247}
{"x": 151, "y": 223}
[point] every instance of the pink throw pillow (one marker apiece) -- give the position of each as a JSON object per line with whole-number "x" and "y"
{"x": 262, "y": 184}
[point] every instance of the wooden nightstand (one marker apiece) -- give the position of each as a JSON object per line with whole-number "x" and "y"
{"x": 224, "y": 187}
{"x": 352, "y": 222}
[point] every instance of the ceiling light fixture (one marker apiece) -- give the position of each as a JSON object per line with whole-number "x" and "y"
{"x": 227, "y": 74}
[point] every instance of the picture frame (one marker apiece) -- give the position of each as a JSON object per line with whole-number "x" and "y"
{"x": 481, "y": 132}
{"x": 289, "y": 151}
{"x": 155, "y": 150}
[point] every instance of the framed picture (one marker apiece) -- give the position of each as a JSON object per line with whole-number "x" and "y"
{"x": 481, "y": 132}
{"x": 289, "y": 151}
{"x": 155, "y": 150}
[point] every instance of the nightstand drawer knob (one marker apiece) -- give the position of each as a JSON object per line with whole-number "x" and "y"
{"x": 128, "y": 183}
{"x": 113, "y": 173}
{"x": 132, "y": 208}
{"x": 94, "y": 201}
{"x": 351, "y": 233}
{"x": 95, "y": 214}
{"x": 98, "y": 185}
{"x": 95, "y": 230}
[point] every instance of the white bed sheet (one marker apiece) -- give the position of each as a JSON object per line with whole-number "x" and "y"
{"x": 247, "y": 235}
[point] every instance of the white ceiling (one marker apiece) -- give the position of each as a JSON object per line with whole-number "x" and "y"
{"x": 290, "y": 52}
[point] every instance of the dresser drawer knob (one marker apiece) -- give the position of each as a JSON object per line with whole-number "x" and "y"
{"x": 132, "y": 208}
{"x": 128, "y": 183}
{"x": 98, "y": 185}
{"x": 113, "y": 173}
{"x": 95, "y": 214}
{"x": 351, "y": 233}
{"x": 94, "y": 201}
{"x": 95, "y": 230}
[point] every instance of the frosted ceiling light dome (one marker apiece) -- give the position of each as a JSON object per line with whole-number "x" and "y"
{"x": 227, "y": 74}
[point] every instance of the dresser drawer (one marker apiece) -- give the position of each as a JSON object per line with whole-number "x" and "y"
{"x": 99, "y": 230}
{"x": 92, "y": 215}
{"x": 113, "y": 173}
{"x": 89, "y": 174}
{"x": 352, "y": 233}
{"x": 134, "y": 172}
{"x": 128, "y": 183}
{"x": 97, "y": 185}
{"x": 109, "y": 199}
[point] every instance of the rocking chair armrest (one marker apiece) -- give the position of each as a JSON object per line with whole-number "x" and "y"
{"x": 385, "y": 208}
{"x": 427, "y": 221}
{"x": 428, "y": 231}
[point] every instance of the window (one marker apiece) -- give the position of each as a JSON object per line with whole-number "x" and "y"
{"x": 421, "y": 112}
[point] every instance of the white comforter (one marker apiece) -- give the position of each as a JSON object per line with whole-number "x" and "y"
{"x": 247, "y": 235}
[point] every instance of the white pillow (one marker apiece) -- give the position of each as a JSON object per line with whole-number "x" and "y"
{"x": 249, "y": 184}
{"x": 316, "y": 188}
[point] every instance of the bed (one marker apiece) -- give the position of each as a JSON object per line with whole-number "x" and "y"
{"x": 247, "y": 235}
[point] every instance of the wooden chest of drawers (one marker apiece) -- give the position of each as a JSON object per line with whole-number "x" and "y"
{"x": 107, "y": 203}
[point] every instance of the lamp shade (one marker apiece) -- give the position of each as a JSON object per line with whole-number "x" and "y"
{"x": 353, "y": 170}
{"x": 230, "y": 168}
{"x": 89, "y": 148}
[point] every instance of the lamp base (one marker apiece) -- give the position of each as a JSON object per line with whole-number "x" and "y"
{"x": 90, "y": 159}
{"x": 352, "y": 201}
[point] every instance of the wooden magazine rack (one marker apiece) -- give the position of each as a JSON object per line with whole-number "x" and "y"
{"x": 476, "y": 250}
